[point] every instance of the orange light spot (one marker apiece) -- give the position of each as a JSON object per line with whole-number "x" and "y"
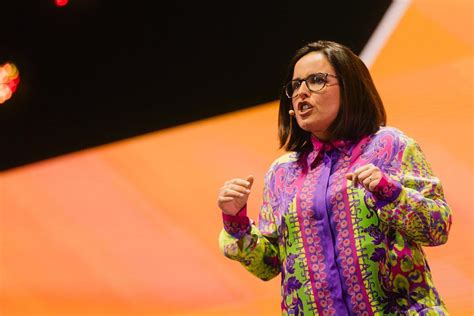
{"x": 9, "y": 80}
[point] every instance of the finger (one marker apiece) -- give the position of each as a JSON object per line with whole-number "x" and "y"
{"x": 232, "y": 193}
{"x": 371, "y": 181}
{"x": 374, "y": 173}
{"x": 358, "y": 171}
{"x": 362, "y": 169}
{"x": 238, "y": 181}
{"x": 366, "y": 182}
{"x": 373, "y": 185}
{"x": 223, "y": 199}
{"x": 366, "y": 174}
{"x": 250, "y": 180}
{"x": 238, "y": 188}
{"x": 355, "y": 177}
{"x": 351, "y": 176}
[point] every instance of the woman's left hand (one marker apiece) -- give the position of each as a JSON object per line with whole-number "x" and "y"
{"x": 369, "y": 176}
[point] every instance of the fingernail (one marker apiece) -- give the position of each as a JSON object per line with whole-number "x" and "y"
{"x": 248, "y": 191}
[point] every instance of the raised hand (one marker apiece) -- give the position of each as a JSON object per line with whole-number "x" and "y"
{"x": 368, "y": 176}
{"x": 233, "y": 195}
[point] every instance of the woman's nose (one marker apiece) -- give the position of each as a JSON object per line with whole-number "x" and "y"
{"x": 303, "y": 91}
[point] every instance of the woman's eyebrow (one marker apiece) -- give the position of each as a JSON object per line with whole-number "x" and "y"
{"x": 310, "y": 74}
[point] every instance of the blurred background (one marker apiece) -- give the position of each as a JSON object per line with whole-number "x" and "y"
{"x": 120, "y": 121}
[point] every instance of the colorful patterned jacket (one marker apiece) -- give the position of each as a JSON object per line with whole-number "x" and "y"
{"x": 340, "y": 249}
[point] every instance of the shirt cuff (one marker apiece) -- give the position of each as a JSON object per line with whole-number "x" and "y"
{"x": 386, "y": 191}
{"x": 237, "y": 225}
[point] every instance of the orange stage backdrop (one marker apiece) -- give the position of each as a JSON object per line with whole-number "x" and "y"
{"x": 131, "y": 228}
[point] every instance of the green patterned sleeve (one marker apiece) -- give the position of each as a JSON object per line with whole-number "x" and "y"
{"x": 419, "y": 210}
{"x": 256, "y": 248}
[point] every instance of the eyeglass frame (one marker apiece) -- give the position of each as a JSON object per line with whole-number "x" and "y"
{"x": 326, "y": 84}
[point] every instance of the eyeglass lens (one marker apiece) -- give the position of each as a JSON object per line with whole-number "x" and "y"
{"x": 314, "y": 83}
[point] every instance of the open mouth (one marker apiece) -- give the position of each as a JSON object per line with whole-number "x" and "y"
{"x": 304, "y": 108}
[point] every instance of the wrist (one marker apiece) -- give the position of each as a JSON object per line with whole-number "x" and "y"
{"x": 386, "y": 191}
{"x": 237, "y": 225}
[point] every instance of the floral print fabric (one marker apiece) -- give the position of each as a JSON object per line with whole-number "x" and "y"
{"x": 340, "y": 249}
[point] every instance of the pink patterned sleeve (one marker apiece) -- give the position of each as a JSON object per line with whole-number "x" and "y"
{"x": 237, "y": 226}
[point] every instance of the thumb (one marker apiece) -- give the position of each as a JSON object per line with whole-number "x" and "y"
{"x": 250, "y": 180}
{"x": 349, "y": 176}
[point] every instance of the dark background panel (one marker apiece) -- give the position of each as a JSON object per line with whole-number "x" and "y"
{"x": 98, "y": 71}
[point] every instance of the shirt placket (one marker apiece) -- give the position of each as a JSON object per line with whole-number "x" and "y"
{"x": 322, "y": 218}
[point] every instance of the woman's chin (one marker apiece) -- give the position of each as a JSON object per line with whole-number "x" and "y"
{"x": 305, "y": 126}
{"x": 308, "y": 127}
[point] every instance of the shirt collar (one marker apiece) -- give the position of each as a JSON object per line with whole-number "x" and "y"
{"x": 343, "y": 146}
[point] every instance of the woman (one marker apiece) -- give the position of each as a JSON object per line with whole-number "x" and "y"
{"x": 347, "y": 210}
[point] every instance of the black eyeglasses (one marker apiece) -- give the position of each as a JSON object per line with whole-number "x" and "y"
{"x": 314, "y": 82}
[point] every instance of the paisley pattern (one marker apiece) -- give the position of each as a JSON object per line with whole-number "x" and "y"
{"x": 340, "y": 249}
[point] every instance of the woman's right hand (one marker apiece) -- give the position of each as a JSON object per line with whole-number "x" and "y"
{"x": 233, "y": 195}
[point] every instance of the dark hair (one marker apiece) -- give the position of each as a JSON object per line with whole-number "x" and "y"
{"x": 361, "y": 110}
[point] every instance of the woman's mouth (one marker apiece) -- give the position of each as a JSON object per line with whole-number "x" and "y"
{"x": 304, "y": 108}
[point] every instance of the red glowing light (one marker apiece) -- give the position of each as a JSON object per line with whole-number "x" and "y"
{"x": 61, "y": 3}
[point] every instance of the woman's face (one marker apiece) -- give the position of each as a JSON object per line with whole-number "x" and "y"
{"x": 315, "y": 111}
